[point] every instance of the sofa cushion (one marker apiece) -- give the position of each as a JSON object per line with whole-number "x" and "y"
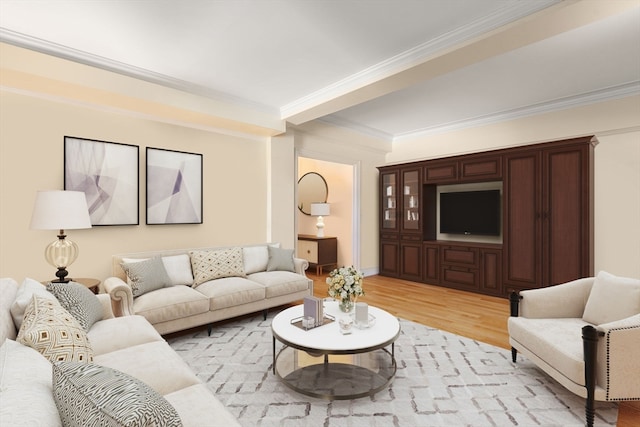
{"x": 197, "y": 406}
{"x": 178, "y": 268}
{"x": 255, "y": 258}
{"x": 27, "y": 289}
{"x": 121, "y": 332}
{"x": 146, "y": 276}
{"x": 612, "y": 298}
{"x": 154, "y": 363}
{"x": 79, "y": 301}
{"x": 97, "y": 395}
{"x": 26, "y": 395}
{"x": 8, "y": 290}
{"x": 54, "y": 332}
{"x": 231, "y": 291}
{"x": 215, "y": 264}
{"x": 279, "y": 283}
{"x": 280, "y": 260}
{"x": 174, "y": 302}
{"x": 556, "y": 341}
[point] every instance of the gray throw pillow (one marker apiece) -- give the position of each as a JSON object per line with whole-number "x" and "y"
{"x": 79, "y": 301}
{"x": 146, "y": 276}
{"x": 94, "y": 395}
{"x": 281, "y": 260}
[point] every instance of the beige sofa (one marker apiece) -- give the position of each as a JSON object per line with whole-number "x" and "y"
{"x": 585, "y": 334}
{"x": 207, "y": 285}
{"x": 128, "y": 344}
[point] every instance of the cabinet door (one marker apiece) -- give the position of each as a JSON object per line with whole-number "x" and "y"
{"x": 491, "y": 272}
{"x": 565, "y": 213}
{"x": 411, "y": 261}
{"x": 308, "y": 250}
{"x": 521, "y": 221}
{"x": 481, "y": 169}
{"x": 411, "y": 200}
{"x": 389, "y": 208}
{"x": 389, "y": 253}
{"x": 431, "y": 256}
{"x": 437, "y": 172}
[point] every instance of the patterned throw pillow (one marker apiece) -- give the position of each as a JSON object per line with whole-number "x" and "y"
{"x": 94, "y": 395}
{"x": 146, "y": 276}
{"x": 79, "y": 301}
{"x": 280, "y": 260}
{"x": 54, "y": 332}
{"x": 209, "y": 265}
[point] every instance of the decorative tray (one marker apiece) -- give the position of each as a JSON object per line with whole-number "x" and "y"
{"x": 372, "y": 321}
{"x": 325, "y": 321}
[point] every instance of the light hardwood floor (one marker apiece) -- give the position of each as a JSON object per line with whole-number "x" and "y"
{"x": 475, "y": 316}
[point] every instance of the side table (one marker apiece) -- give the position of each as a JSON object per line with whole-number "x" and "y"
{"x": 92, "y": 284}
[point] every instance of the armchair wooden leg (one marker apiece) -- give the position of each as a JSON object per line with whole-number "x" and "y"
{"x": 514, "y": 354}
{"x": 590, "y": 341}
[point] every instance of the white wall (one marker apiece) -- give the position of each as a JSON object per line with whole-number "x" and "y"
{"x": 615, "y": 123}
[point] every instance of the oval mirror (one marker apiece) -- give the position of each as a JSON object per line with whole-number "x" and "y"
{"x": 312, "y": 188}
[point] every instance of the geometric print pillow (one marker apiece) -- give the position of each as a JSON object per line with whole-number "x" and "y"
{"x": 78, "y": 300}
{"x": 146, "y": 276}
{"x": 56, "y": 334}
{"x": 94, "y": 395}
{"x": 210, "y": 265}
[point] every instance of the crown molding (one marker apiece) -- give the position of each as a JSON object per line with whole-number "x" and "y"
{"x": 409, "y": 58}
{"x": 606, "y": 94}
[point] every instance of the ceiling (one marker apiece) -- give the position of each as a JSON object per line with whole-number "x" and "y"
{"x": 388, "y": 68}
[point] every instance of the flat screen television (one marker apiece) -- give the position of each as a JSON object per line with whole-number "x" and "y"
{"x": 470, "y": 212}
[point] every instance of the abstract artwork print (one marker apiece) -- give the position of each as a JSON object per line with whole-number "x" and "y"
{"x": 107, "y": 173}
{"x": 174, "y": 187}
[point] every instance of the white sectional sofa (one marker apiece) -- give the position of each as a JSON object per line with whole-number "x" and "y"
{"x": 126, "y": 351}
{"x": 205, "y": 285}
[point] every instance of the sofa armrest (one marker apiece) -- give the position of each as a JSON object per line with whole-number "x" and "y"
{"x": 619, "y": 356}
{"x": 121, "y": 296}
{"x": 107, "y": 307}
{"x": 559, "y": 301}
{"x": 301, "y": 265}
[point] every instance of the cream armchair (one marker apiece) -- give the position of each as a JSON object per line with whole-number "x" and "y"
{"x": 585, "y": 334}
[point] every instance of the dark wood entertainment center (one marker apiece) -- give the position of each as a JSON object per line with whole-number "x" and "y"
{"x": 547, "y": 219}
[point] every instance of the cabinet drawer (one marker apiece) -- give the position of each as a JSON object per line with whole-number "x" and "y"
{"x": 308, "y": 250}
{"x": 460, "y": 278}
{"x": 460, "y": 256}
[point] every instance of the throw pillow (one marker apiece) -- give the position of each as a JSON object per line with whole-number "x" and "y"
{"x": 98, "y": 395}
{"x": 215, "y": 264}
{"x": 56, "y": 334}
{"x": 146, "y": 276}
{"x": 612, "y": 298}
{"x": 78, "y": 300}
{"x": 26, "y": 396}
{"x": 179, "y": 269}
{"x": 255, "y": 258}
{"x": 27, "y": 289}
{"x": 280, "y": 259}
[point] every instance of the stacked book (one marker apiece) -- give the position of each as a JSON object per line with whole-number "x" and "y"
{"x": 313, "y": 308}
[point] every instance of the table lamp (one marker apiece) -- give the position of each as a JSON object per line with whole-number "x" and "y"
{"x": 320, "y": 210}
{"x": 60, "y": 210}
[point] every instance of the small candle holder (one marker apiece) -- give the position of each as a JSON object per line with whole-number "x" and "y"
{"x": 308, "y": 322}
{"x": 346, "y": 325}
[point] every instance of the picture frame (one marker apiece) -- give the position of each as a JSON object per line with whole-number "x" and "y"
{"x": 108, "y": 174}
{"x": 174, "y": 187}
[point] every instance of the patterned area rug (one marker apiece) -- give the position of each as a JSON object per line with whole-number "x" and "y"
{"x": 442, "y": 380}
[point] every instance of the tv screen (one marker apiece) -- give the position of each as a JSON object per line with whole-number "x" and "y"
{"x": 470, "y": 212}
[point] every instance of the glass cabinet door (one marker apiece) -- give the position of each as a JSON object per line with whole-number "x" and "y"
{"x": 411, "y": 200}
{"x": 389, "y": 201}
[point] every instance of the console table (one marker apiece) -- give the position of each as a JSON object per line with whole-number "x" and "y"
{"x": 319, "y": 251}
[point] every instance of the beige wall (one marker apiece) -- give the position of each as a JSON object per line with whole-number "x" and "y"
{"x": 617, "y": 166}
{"x": 31, "y": 158}
{"x": 339, "y": 224}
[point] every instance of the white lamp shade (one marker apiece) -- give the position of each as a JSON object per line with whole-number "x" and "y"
{"x": 320, "y": 209}
{"x": 60, "y": 210}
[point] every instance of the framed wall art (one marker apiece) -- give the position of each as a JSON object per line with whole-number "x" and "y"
{"x": 174, "y": 187}
{"x": 107, "y": 173}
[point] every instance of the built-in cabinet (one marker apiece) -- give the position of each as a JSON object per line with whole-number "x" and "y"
{"x": 547, "y": 219}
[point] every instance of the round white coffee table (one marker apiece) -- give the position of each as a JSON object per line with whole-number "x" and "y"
{"x": 322, "y": 362}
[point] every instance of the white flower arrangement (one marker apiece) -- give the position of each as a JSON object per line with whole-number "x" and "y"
{"x": 345, "y": 282}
